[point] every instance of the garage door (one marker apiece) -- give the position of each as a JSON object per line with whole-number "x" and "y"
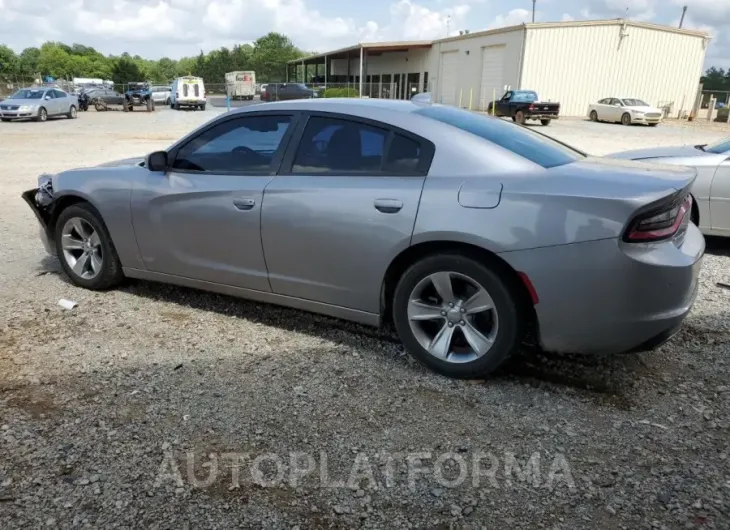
{"x": 447, "y": 77}
{"x": 492, "y": 74}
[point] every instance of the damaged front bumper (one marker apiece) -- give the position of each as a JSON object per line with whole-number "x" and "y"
{"x": 40, "y": 201}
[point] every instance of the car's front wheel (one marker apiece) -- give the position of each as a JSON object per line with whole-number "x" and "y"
{"x": 456, "y": 315}
{"x": 594, "y": 115}
{"x": 85, "y": 248}
{"x": 72, "y": 113}
{"x": 42, "y": 114}
{"x": 626, "y": 119}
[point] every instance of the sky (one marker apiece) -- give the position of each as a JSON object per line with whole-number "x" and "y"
{"x": 177, "y": 28}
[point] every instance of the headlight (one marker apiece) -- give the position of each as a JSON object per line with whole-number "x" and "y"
{"x": 25, "y": 108}
{"x": 637, "y": 112}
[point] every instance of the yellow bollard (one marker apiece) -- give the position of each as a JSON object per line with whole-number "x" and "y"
{"x": 494, "y": 99}
{"x": 471, "y": 91}
{"x": 460, "y": 92}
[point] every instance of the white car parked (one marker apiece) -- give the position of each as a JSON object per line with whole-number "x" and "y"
{"x": 161, "y": 94}
{"x": 625, "y": 111}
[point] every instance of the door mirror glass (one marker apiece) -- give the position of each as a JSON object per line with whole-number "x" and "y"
{"x": 157, "y": 161}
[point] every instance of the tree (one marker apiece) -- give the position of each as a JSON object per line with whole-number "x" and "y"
{"x": 8, "y": 61}
{"x": 29, "y": 58}
{"x": 125, "y": 71}
{"x": 270, "y": 56}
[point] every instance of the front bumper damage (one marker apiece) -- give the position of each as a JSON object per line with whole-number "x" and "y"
{"x": 41, "y": 202}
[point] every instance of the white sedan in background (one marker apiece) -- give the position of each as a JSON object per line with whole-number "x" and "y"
{"x": 625, "y": 111}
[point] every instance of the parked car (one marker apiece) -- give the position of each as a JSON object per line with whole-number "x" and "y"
{"x": 188, "y": 92}
{"x": 523, "y": 105}
{"x": 287, "y": 91}
{"x": 100, "y": 99}
{"x": 465, "y": 231}
{"x": 39, "y": 104}
{"x": 625, "y": 111}
{"x": 161, "y": 94}
{"x": 711, "y": 190}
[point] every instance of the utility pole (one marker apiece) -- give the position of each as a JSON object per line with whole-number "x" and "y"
{"x": 681, "y": 20}
{"x": 533, "y": 10}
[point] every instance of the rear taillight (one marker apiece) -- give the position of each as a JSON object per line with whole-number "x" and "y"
{"x": 660, "y": 223}
{"x": 532, "y": 107}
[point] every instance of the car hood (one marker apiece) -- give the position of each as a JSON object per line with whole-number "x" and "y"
{"x": 123, "y": 162}
{"x": 22, "y": 101}
{"x": 658, "y": 152}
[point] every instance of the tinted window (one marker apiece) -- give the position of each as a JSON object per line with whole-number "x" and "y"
{"x": 635, "y": 103}
{"x": 60, "y": 93}
{"x": 403, "y": 155}
{"x": 528, "y": 144}
{"x": 524, "y": 97}
{"x": 51, "y": 94}
{"x": 331, "y": 145}
{"x": 719, "y": 148}
{"x": 241, "y": 145}
{"x": 603, "y": 101}
{"x": 28, "y": 93}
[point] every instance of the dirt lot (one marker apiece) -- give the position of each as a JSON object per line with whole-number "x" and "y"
{"x": 102, "y": 405}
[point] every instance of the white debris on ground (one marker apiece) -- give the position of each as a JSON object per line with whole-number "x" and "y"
{"x": 102, "y": 408}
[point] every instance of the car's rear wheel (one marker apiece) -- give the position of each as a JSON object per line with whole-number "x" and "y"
{"x": 594, "y": 115}
{"x": 520, "y": 117}
{"x": 456, "y": 315}
{"x": 626, "y": 119}
{"x": 42, "y": 114}
{"x": 545, "y": 122}
{"x": 85, "y": 249}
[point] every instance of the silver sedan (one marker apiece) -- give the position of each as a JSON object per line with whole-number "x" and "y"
{"x": 39, "y": 104}
{"x": 711, "y": 189}
{"x": 464, "y": 231}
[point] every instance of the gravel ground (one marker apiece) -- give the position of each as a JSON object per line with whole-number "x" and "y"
{"x": 106, "y": 409}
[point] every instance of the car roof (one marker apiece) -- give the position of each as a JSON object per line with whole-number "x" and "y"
{"x": 343, "y": 105}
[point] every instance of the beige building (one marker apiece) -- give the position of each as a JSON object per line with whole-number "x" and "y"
{"x": 575, "y": 63}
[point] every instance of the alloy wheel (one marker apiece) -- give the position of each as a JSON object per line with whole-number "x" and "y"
{"x": 82, "y": 249}
{"x": 453, "y": 317}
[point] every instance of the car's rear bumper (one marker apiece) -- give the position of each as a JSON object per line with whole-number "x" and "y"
{"x": 606, "y": 296}
{"x": 181, "y": 101}
{"x": 542, "y": 116}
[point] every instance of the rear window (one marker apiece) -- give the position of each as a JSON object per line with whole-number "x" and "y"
{"x": 533, "y": 146}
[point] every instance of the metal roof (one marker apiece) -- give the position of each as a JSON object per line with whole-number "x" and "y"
{"x": 405, "y": 45}
{"x": 370, "y": 46}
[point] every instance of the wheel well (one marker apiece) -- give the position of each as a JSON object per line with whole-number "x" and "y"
{"x": 417, "y": 252}
{"x": 60, "y": 205}
{"x": 694, "y": 215}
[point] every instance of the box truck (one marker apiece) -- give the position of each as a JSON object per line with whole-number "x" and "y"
{"x": 241, "y": 85}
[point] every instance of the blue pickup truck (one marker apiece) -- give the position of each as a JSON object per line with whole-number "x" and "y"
{"x": 138, "y": 95}
{"x": 523, "y": 105}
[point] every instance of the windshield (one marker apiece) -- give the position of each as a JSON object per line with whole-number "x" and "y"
{"x": 635, "y": 103}
{"x": 719, "y": 148}
{"x": 28, "y": 93}
{"x": 533, "y": 146}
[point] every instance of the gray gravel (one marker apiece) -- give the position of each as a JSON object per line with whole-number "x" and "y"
{"x": 99, "y": 405}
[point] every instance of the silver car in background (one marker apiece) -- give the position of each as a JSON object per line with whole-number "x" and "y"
{"x": 39, "y": 104}
{"x": 711, "y": 189}
{"x": 464, "y": 231}
{"x": 161, "y": 94}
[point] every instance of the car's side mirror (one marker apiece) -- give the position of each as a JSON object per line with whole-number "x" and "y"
{"x": 48, "y": 97}
{"x": 157, "y": 161}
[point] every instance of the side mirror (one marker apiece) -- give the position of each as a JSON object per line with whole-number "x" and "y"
{"x": 48, "y": 97}
{"x": 157, "y": 161}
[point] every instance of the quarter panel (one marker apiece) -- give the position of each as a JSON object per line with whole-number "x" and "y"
{"x": 720, "y": 200}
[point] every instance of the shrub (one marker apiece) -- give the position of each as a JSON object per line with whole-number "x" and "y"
{"x": 341, "y": 93}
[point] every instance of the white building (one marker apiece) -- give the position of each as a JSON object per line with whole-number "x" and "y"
{"x": 575, "y": 63}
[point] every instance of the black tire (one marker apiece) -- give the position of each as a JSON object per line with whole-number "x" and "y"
{"x": 71, "y": 112}
{"x": 5, "y": 119}
{"x": 520, "y": 117}
{"x": 167, "y": 101}
{"x": 202, "y": 107}
{"x": 149, "y": 105}
{"x": 173, "y": 106}
{"x": 626, "y": 119}
{"x": 42, "y": 115}
{"x": 505, "y": 301}
{"x": 594, "y": 115}
{"x": 545, "y": 122}
{"x": 111, "y": 268}
{"x": 653, "y": 124}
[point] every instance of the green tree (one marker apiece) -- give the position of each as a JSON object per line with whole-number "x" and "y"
{"x": 125, "y": 70}
{"x": 29, "y": 58}
{"x": 270, "y": 56}
{"x": 8, "y": 62}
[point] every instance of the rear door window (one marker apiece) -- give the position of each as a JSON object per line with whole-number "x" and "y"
{"x": 535, "y": 147}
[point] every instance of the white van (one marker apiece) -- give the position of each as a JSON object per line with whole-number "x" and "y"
{"x": 188, "y": 91}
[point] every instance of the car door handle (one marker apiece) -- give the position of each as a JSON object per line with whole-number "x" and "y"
{"x": 388, "y": 205}
{"x": 244, "y": 204}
